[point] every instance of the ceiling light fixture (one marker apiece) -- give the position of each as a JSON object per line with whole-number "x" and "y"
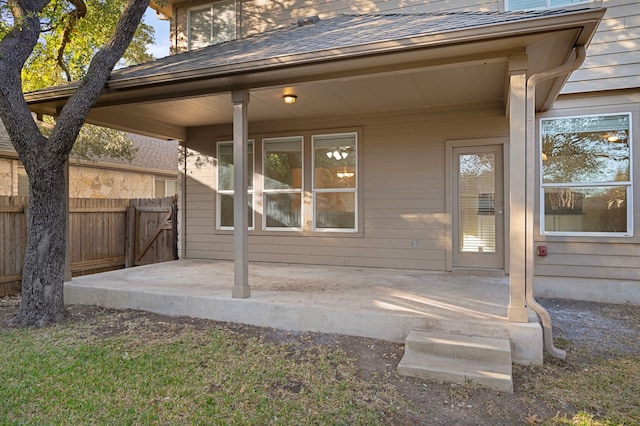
{"x": 289, "y": 99}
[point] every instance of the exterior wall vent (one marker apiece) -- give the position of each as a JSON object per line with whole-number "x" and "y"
{"x": 309, "y": 20}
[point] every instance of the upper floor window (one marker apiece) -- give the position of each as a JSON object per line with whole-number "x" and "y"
{"x": 540, "y": 4}
{"x": 586, "y": 184}
{"x": 212, "y": 24}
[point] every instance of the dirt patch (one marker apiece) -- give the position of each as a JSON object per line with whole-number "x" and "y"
{"x": 586, "y": 330}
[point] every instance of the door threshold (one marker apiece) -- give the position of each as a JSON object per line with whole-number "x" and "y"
{"x": 478, "y": 272}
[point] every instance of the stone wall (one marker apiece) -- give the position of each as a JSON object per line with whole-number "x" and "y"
{"x": 86, "y": 182}
{"x": 6, "y": 177}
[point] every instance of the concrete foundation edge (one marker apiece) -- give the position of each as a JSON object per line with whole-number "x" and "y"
{"x": 525, "y": 338}
{"x": 589, "y": 289}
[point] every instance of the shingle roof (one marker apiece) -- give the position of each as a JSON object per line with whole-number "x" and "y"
{"x": 5, "y": 142}
{"x": 338, "y": 32}
{"x": 152, "y": 153}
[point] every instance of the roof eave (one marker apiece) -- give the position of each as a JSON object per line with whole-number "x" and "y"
{"x": 442, "y": 39}
{"x": 587, "y": 22}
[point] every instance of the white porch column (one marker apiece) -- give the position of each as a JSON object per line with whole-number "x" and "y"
{"x": 241, "y": 288}
{"x": 517, "y": 311}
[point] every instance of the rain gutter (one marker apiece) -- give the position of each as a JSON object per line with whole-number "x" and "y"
{"x": 532, "y": 81}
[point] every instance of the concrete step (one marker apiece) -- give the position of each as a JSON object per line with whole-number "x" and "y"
{"x": 450, "y": 345}
{"x": 458, "y": 358}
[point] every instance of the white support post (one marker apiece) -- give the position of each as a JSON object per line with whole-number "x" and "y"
{"x": 241, "y": 287}
{"x": 517, "y": 310}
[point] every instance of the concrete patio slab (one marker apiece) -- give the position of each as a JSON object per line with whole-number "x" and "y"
{"x": 368, "y": 302}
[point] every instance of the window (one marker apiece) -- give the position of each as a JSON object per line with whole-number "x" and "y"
{"x": 212, "y": 24}
{"x": 309, "y": 183}
{"x": 586, "y": 186}
{"x": 23, "y": 182}
{"x": 540, "y": 4}
{"x": 282, "y": 188}
{"x": 225, "y": 185}
{"x": 165, "y": 188}
{"x": 334, "y": 182}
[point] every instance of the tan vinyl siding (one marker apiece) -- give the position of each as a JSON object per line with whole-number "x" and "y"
{"x": 402, "y": 191}
{"x": 600, "y": 258}
{"x": 613, "y": 58}
{"x": 619, "y": 261}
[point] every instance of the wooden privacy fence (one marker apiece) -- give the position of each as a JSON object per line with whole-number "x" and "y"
{"x": 104, "y": 234}
{"x": 13, "y": 240}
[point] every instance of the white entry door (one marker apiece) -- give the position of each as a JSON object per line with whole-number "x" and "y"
{"x": 478, "y": 207}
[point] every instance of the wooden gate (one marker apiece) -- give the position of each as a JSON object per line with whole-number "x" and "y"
{"x": 151, "y": 231}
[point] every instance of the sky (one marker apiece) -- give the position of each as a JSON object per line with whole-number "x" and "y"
{"x": 161, "y": 47}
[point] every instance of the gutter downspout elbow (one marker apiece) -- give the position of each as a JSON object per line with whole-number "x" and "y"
{"x": 532, "y": 81}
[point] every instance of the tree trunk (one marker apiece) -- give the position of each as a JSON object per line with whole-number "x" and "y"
{"x": 44, "y": 158}
{"x": 43, "y": 271}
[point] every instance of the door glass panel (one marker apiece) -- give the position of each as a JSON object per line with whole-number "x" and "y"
{"x": 477, "y": 202}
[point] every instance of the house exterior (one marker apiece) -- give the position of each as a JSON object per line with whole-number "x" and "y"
{"x": 583, "y": 229}
{"x": 402, "y": 136}
{"x": 151, "y": 174}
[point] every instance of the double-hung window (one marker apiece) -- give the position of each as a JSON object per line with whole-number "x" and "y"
{"x": 225, "y": 184}
{"x": 540, "y": 4}
{"x": 212, "y": 24}
{"x": 334, "y": 182}
{"x": 586, "y": 176}
{"x": 282, "y": 189}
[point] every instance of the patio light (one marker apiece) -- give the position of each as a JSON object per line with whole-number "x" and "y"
{"x": 289, "y": 99}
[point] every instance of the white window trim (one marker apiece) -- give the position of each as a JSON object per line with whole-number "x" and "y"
{"x": 193, "y": 9}
{"x": 334, "y": 190}
{"x": 196, "y": 8}
{"x": 220, "y": 192}
{"x": 628, "y": 185}
{"x": 546, "y": 6}
{"x": 283, "y": 191}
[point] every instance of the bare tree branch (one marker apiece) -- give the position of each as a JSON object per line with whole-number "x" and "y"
{"x": 75, "y": 111}
{"x": 74, "y": 16}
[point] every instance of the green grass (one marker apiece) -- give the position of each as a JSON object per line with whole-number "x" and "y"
{"x": 590, "y": 388}
{"x": 603, "y": 391}
{"x": 150, "y": 374}
{"x": 103, "y": 367}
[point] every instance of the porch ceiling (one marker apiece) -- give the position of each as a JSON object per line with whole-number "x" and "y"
{"x": 477, "y": 83}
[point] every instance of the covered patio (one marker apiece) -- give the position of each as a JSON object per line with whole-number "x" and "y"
{"x": 368, "y": 302}
{"x": 415, "y": 102}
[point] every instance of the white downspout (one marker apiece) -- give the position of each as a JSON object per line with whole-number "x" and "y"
{"x": 532, "y": 81}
